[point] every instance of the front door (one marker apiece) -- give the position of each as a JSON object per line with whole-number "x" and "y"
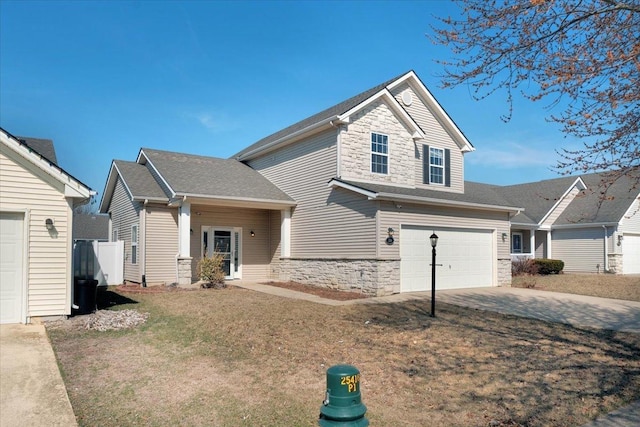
{"x": 226, "y": 242}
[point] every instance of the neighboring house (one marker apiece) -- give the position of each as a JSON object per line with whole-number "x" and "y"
{"x": 346, "y": 198}
{"x": 37, "y": 199}
{"x": 569, "y": 219}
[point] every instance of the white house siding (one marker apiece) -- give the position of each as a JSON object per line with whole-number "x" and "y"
{"x": 438, "y": 217}
{"x": 325, "y": 223}
{"x": 274, "y": 242}
{"x": 436, "y": 136}
{"x": 355, "y": 147}
{"x": 630, "y": 222}
{"x": 124, "y": 213}
{"x": 581, "y": 249}
{"x": 161, "y": 245}
{"x": 23, "y": 186}
{"x": 256, "y": 252}
{"x": 630, "y": 246}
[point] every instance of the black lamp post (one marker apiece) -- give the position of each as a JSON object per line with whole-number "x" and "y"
{"x": 434, "y": 243}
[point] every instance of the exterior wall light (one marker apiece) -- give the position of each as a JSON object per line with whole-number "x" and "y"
{"x": 48, "y": 223}
{"x": 504, "y": 237}
{"x": 390, "y": 239}
{"x": 252, "y": 233}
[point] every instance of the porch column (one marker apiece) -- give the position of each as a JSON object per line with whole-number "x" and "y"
{"x": 285, "y": 233}
{"x": 549, "y": 244}
{"x": 184, "y": 244}
{"x": 532, "y": 243}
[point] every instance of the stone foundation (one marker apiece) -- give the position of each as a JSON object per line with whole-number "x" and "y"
{"x": 504, "y": 272}
{"x": 615, "y": 263}
{"x": 184, "y": 271}
{"x": 369, "y": 276}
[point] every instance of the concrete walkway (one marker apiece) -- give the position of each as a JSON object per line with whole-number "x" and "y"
{"x": 32, "y": 393}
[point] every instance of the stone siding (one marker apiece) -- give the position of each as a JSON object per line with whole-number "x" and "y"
{"x": 504, "y": 272}
{"x": 372, "y": 277}
{"x": 615, "y": 263}
{"x": 184, "y": 271}
{"x": 356, "y": 147}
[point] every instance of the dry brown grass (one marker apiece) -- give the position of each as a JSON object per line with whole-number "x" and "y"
{"x": 597, "y": 285}
{"x": 239, "y": 358}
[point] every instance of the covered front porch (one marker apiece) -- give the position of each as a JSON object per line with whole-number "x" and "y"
{"x": 529, "y": 243}
{"x": 252, "y": 237}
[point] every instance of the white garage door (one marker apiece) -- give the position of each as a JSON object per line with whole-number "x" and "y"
{"x": 631, "y": 254}
{"x": 11, "y": 286}
{"x": 467, "y": 258}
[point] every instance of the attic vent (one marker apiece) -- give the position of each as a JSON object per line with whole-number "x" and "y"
{"x": 407, "y": 97}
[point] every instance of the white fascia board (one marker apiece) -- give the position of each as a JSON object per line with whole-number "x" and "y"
{"x": 628, "y": 213}
{"x": 447, "y": 122}
{"x": 108, "y": 188}
{"x": 126, "y": 187}
{"x": 150, "y": 163}
{"x": 395, "y": 106}
{"x": 331, "y": 121}
{"x": 578, "y": 183}
{"x": 73, "y": 187}
{"x": 442, "y": 202}
{"x": 247, "y": 202}
{"x": 338, "y": 184}
{"x": 584, "y": 225}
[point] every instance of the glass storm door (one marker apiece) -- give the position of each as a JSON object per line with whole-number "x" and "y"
{"x": 226, "y": 242}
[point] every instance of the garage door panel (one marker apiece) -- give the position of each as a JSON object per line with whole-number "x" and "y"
{"x": 466, "y": 258}
{"x": 631, "y": 254}
{"x": 11, "y": 267}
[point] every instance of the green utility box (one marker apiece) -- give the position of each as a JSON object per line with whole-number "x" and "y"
{"x": 343, "y": 403}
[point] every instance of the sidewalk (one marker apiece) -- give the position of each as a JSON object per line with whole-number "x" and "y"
{"x": 32, "y": 393}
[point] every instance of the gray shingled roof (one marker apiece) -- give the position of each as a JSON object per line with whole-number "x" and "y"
{"x": 140, "y": 181}
{"x": 590, "y": 206}
{"x": 336, "y": 110}
{"x": 44, "y": 147}
{"x": 539, "y": 197}
{"x": 90, "y": 227}
{"x": 475, "y": 193}
{"x": 213, "y": 177}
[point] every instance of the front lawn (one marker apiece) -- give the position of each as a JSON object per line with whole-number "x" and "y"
{"x": 596, "y": 285}
{"x": 235, "y": 357}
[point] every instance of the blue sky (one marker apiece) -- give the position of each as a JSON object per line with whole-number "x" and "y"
{"x": 103, "y": 79}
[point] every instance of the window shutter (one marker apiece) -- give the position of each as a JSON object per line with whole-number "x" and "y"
{"x": 425, "y": 164}
{"x": 447, "y": 168}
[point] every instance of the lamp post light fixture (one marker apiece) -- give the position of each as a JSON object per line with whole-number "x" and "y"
{"x": 434, "y": 243}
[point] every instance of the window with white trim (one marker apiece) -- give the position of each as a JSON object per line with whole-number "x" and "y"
{"x": 436, "y": 165}
{"x": 516, "y": 243}
{"x": 379, "y": 153}
{"x": 134, "y": 244}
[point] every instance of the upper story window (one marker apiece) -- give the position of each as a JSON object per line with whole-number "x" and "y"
{"x": 379, "y": 153}
{"x": 134, "y": 244}
{"x": 436, "y": 165}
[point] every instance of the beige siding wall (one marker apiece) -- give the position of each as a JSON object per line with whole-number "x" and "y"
{"x": 125, "y": 213}
{"x": 161, "y": 244}
{"x": 256, "y": 252}
{"x": 561, "y": 207}
{"x": 541, "y": 244}
{"x": 23, "y": 186}
{"x": 274, "y": 242}
{"x": 355, "y": 146}
{"x": 581, "y": 249}
{"x": 326, "y": 223}
{"x": 631, "y": 220}
{"x": 436, "y": 136}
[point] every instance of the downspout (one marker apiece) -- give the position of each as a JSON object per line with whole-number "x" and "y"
{"x": 606, "y": 252}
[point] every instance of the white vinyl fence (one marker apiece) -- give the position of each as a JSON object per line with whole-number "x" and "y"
{"x": 103, "y": 261}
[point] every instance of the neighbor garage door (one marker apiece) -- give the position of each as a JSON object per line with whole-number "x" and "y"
{"x": 11, "y": 252}
{"x": 467, "y": 258}
{"x": 631, "y": 254}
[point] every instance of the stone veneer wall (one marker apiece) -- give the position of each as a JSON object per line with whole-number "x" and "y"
{"x": 615, "y": 263}
{"x": 184, "y": 271}
{"x": 370, "y": 276}
{"x": 504, "y": 272}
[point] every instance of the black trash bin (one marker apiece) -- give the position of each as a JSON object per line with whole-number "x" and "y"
{"x": 85, "y": 292}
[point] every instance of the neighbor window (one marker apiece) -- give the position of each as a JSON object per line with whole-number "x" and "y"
{"x": 436, "y": 165}
{"x": 134, "y": 244}
{"x": 516, "y": 243}
{"x": 379, "y": 153}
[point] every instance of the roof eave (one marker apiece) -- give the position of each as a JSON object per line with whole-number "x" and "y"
{"x": 251, "y": 202}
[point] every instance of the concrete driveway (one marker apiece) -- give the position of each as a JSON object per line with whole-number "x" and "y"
{"x": 31, "y": 389}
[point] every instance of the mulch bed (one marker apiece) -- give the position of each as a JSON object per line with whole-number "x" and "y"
{"x": 328, "y": 293}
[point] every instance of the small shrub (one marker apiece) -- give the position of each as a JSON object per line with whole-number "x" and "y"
{"x": 549, "y": 266}
{"x": 523, "y": 266}
{"x": 210, "y": 271}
